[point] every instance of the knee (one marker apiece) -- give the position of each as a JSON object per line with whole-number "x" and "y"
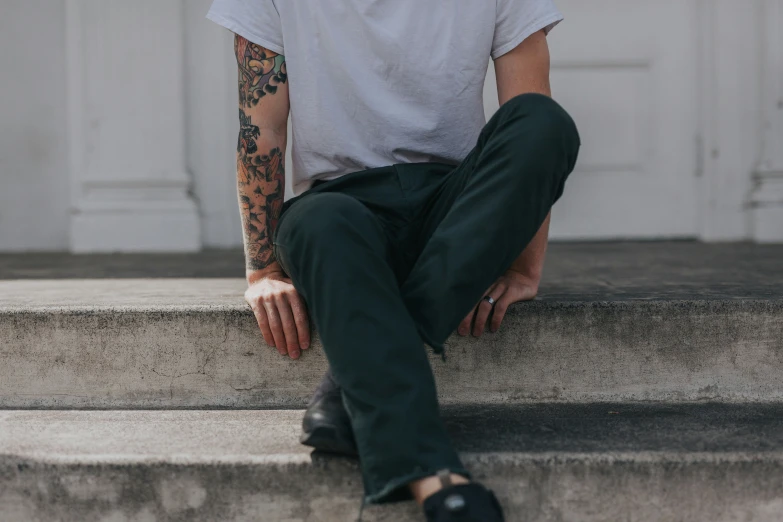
{"x": 550, "y": 122}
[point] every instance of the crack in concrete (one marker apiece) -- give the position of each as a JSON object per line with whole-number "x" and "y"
{"x": 201, "y": 371}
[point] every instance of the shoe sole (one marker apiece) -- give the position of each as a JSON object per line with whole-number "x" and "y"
{"x": 328, "y": 439}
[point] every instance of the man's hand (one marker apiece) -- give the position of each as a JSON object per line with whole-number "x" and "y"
{"x": 511, "y": 287}
{"x": 280, "y": 311}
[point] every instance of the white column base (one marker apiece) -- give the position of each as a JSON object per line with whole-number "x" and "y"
{"x": 144, "y": 216}
{"x": 152, "y": 232}
{"x": 768, "y": 223}
{"x": 767, "y": 208}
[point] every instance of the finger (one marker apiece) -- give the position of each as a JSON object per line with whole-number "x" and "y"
{"x": 301, "y": 319}
{"x": 500, "y": 312}
{"x": 263, "y": 325}
{"x": 276, "y": 326}
{"x": 289, "y": 327}
{"x": 464, "y": 327}
{"x": 484, "y": 309}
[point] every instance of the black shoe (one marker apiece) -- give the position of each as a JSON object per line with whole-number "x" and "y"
{"x": 326, "y": 425}
{"x": 463, "y": 503}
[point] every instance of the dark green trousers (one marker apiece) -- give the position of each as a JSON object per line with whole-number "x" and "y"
{"x": 391, "y": 258}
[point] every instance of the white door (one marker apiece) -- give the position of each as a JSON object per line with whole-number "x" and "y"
{"x": 627, "y": 71}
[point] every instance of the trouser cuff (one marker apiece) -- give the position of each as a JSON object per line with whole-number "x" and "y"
{"x": 397, "y": 490}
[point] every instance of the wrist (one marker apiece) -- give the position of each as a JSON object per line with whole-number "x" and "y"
{"x": 527, "y": 276}
{"x": 253, "y": 275}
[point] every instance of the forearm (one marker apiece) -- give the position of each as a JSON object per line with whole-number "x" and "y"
{"x": 530, "y": 262}
{"x": 260, "y": 188}
{"x": 263, "y": 123}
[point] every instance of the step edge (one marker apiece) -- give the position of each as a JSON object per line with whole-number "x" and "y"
{"x": 470, "y": 458}
{"x": 542, "y": 305}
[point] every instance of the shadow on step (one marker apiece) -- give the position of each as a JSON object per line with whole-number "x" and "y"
{"x": 607, "y": 428}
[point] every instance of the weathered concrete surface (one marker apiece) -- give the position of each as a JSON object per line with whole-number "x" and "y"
{"x": 547, "y": 463}
{"x": 123, "y": 295}
{"x": 194, "y": 343}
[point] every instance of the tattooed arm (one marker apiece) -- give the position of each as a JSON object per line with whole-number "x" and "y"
{"x": 263, "y": 118}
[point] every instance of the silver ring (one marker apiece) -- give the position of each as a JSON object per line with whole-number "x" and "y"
{"x": 489, "y": 299}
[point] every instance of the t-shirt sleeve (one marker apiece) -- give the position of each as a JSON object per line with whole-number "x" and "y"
{"x": 518, "y": 19}
{"x": 256, "y": 20}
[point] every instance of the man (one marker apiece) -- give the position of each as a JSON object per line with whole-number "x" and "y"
{"x": 410, "y": 209}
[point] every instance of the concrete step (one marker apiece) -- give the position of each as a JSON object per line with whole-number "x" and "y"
{"x": 547, "y": 463}
{"x": 193, "y": 343}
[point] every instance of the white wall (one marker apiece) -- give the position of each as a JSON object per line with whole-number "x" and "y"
{"x": 34, "y": 187}
{"x": 212, "y": 124}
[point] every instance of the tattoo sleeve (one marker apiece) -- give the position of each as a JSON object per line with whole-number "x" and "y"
{"x": 263, "y": 116}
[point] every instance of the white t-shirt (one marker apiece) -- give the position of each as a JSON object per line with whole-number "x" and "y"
{"x": 378, "y": 82}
